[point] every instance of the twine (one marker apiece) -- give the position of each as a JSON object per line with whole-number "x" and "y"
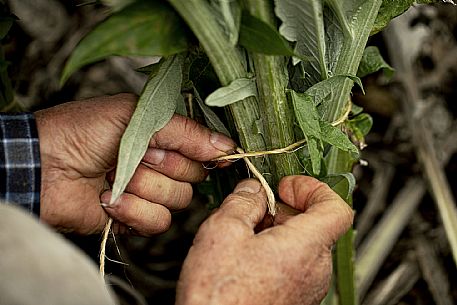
{"x": 288, "y": 149}
{"x": 103, "y": 246}
{"x": 271, "y": 201}
{"x": 241, "y": 154}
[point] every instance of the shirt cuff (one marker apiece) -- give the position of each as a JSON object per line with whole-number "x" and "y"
{"x": 20, "y": 169}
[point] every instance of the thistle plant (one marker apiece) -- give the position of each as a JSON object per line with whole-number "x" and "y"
{"x": 284, "y": 74}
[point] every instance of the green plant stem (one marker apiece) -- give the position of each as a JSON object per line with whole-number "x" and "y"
{"x": 339, "y": 161}
{"x": 228, "y": 66}
{"x": 277, "y": 115}
{"x": 351, "y": 54}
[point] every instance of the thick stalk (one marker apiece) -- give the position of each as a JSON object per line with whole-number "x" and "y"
{"x": 351, "y": 54}
{"x": 277, "y": 115}
{"x": 228, "y": 66}
{"x": 339, "y": 161}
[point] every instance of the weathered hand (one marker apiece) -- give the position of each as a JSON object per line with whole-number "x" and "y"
{"x": 79, "y": 143}
{"x": 289, "y": 263}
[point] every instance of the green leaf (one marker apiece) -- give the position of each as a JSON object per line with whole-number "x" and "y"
{"x": 372, "y": 61}
{"x": 345, "y": 182}
{"x": 391, "y": 9}
{"x": 388, "y": 11}
{"x": 155, "y": 108}
{"x": 334, "y": 136}
{"x": 149, "y": 70}
{"x": 363, "y": 122}
{"x": 181, "y": 106}
{"x": 318, "y": 131}
{"x": 145, "y": 28}
{"x": 258, "y": 36}
{"x": 334, "y": 38}
{"x": 337, "y": 7}
{"x": 211, "y": 119}
{"x": 324, "y": 92}
{"x": 358, "y": 128}
{"x": 355, "y": 110}
{"x": 236, "y": 91}
{"x": 229, "y": 17}
{"x": 308, "y": 119}
{"x": 302, "y": 21}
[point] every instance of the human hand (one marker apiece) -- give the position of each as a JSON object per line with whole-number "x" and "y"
{"x": 79, "y": 143}
{"x": 289, "y": 263}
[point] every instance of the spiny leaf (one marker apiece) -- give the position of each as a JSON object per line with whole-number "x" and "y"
{"x": 145, "y": 28}
{"x": 212, "y": 120}
{"x": 302, "y": 21}
{"x": 258, "y": 36}
{"x": 155, "y": 108}
{"x": 372, "y": 61}
{"x": 236, "y": 91}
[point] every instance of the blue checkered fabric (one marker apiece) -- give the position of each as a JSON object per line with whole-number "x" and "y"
{"x": 20, "y": 170}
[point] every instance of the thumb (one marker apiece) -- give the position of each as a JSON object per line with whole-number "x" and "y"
{"x": 239, "y": 214}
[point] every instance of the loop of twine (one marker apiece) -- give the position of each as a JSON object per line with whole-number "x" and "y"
{"x": 288, "y": 149}
{"x": 271, "y": 201}
{"x": 241, "y": 154}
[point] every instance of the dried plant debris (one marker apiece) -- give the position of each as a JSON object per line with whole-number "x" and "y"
{"x": 38, "y": 48}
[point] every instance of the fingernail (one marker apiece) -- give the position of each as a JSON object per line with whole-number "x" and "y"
{"x": 154, "y": 156}
{"x": 105, "y": 199}
{"x": 248, "y": 186}
{"x": 221, "y": 142}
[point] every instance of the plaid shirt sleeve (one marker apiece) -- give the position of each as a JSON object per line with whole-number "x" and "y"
{"x": 20, "y": 170}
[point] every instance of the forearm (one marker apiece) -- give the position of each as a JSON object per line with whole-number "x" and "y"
{"x": 20, "y": 171}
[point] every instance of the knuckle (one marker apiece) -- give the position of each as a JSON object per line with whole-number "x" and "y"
{"x": 182, "y": 195}
{"x": 220, "y": 225}
{"x": 184, "y": 168}
{"x": 190, "y": 126}
{"x": 162, "y": 222}
{"x": 244, "y": 199}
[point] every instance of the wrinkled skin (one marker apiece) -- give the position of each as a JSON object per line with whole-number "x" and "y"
{"x": 238, "y": 257}
{"x": 79, "y": 143}
{"x": 286, "y": 264}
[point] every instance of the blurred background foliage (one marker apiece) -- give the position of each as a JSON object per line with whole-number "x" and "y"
{"x": 417, "y": 269}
